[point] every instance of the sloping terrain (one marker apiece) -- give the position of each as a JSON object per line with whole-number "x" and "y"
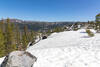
{"x": 68, "y": 49}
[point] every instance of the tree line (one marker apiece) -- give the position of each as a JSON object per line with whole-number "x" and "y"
{"x": 12, "y": 38}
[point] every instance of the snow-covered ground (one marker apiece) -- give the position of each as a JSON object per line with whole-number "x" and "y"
{"x": 1, "y": 59}
{"x": 68, "y": 49}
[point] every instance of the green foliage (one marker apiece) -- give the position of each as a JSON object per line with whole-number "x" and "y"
{"x": 32, "y": 36}
{"x": 2, "y": 46}
{"x": 89, "y": 33}
{"x": 49, "y": 32}
{"x": 58, "y": 29}
{"x": 9, "y": 37}
{"x": 12, "y": 38}
{"x": 25, "y": 38}
{"x": 24, "y": 41}
{"x": 17, "y": 37}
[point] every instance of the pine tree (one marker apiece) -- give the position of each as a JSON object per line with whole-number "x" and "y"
{"x": 58, "y": 29}
{"x": 2, "y": 46}
{"x": 25, "y": 38}
{"x": 18, "y": 38}
{"x": 9, "y": 37}
{"x": 32, "y": 36}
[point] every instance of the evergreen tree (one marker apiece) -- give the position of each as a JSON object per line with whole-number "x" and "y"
{"x": 9, "y": 37}
{"x": 25, "y": 39}
{"x": 58, "y": 29}
{"x": 32, "y": 36}
{"x": 2, "y": 46}
{"x": 18, "y": 39}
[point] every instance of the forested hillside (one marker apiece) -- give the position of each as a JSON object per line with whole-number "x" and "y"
{"x": 13, "y": 38}
{"x": 39, "y": 25}
{"x": 16, "y": 34}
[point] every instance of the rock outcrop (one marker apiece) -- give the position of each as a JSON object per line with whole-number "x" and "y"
{"x": 19, "y": 59}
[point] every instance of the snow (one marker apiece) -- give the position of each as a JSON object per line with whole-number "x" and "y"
{"x": 1, "y": 60}
{"x": 68, "y": 49}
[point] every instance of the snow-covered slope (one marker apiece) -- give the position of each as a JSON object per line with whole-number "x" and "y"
{"x": 68, "y": 49}
{"x": 1, "y": 60}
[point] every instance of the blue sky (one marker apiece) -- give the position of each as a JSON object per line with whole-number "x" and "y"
{"x": 50, "y": 10}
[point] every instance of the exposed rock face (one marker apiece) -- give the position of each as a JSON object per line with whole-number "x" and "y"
{"x": 19, "y": 59}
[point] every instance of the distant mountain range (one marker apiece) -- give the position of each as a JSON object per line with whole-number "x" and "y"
{"x": 38, "y": 25}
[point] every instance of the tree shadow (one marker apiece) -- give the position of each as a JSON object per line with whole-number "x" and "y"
{"x": 82, "y": 32}
{"x": 85, "y": 37}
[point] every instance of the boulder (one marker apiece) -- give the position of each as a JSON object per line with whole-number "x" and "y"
{"x": 44, "y": 37}
{"x": 19, "y": 59}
